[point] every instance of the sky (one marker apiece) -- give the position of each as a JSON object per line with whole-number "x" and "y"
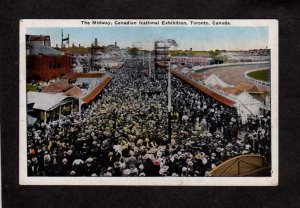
{"x": 197, "y": 38}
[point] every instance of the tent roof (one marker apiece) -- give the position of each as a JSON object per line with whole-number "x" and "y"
{"x": 231, "y": 90}
{"x": 196, "y": 67}
{"x": 59, "y": 86}
{"x": 30, "y": 120}
{"x": 213, "y": 80}
{"x": 245, "y": 87}
{"x": 45, "y": 101}
{"x": 246, "y": 99}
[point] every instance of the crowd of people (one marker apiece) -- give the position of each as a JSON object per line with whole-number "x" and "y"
{"x": 125, "y": 132}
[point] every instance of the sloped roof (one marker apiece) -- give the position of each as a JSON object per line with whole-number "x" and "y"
{"x": 231, "y": 90}
{"x": 45, "y": 101}
{"x": 207, "y": 91}
{"x": 74, "y": 76}
{"x": 245, "y": 87}
{"x": 73, "y": 92}
{"x": 44, "y": 50}
{"x": 247, "y": 99}
{"x": 88, "y": 98}
{"x": 31, "y": 120}
{"x": 56, "y": 87}
{"x": 213, "y": 80}
{"x": 196, "y": 67}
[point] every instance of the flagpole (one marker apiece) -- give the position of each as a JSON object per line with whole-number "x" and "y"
{"x": 62, "y": 37}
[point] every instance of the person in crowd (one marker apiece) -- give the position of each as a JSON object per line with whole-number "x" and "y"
{"x": 124, "y": 132}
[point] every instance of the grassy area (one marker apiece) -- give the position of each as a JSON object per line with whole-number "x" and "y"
{"x": 31, "y": 88}
{"x": 262, "y": 75}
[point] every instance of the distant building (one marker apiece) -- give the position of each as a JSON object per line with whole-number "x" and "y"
{"x": 200, "y": 60}
{"x": 37, "y": 41}
{"x": 43, "y": 62}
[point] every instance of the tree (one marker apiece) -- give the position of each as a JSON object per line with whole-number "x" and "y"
{"x": 214, "y": 54}
{"x": 133, "y": 51}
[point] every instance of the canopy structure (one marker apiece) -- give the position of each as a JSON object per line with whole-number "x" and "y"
{"x": 246, "y": 105}
{"x": 73, "y": 92}
{"x": 209, "y": 92}
{"x": 185, "y": 70}
{"x": 31, "y": 120}
{"x": 56, "y": 87}
{"x": 244, "y": 165}
{"x": 214, "y": 80}
{"x": 46, "y": 101}
{"x": 195, "y": 68}
{"x": 245, "y": 87}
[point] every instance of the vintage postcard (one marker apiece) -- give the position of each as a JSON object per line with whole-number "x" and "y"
{"x": 149, "y": 102}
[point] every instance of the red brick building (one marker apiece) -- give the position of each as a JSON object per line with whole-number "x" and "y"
{"x": 45, "y": 67}
{"x": 43, "y": 62}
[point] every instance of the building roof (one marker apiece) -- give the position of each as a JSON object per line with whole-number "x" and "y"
{"x": 56, "y": 87}
{"x": 38, "y": 37}
{"x": 213, "y": 80}
{"x": 45, "y": 101}
{"x": 74, "y": 76}
{"x": 44, "y": 50}
{"x": 73, "y": 92}
{"x": 88, "y": 98}
{"x": 231, "y": 90}
{"x": 245, "y": 87}
{"x": 207, "y": 91}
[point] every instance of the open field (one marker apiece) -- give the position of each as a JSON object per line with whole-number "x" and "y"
{"x": 233, "y": 75}
{"x": 262, "y": 75}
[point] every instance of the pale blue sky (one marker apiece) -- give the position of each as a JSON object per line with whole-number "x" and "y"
{"x": 198, "y": 38}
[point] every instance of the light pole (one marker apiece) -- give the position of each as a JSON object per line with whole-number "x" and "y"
{"x": 143, "y": 57}
{"x": 79, "y": 104}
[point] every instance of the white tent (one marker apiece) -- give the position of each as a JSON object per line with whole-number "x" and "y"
{"x": 195, "y": 68}
{"x": 247, "y": 105}
{"x": 214, "y": 80}
{"x": 174, "y": 66}
{"x": 45, "y": 101}
{"x": 31, "y": 120}
{"x": 185, "y": 70}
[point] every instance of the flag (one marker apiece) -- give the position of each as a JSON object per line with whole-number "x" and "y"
{"x": 66, "y": 39}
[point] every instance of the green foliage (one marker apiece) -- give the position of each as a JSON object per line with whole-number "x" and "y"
{"x": 262, "y": 75}
{"x": 31, "y": 88}
{"x": 133, "y": 51}
{"x": 214, "y": 54}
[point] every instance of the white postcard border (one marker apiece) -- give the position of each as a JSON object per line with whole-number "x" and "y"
{"x": 149, "y": 181}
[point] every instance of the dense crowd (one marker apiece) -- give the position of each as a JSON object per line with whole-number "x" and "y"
{"x": 124, "y": 132}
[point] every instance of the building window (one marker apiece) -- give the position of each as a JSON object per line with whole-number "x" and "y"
{"x": 58, "y": 65}
{"x": 54, "y": 65}
{"x": 50, "y": 65}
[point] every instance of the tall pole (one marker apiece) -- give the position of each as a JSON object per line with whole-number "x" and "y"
{"x": 79, "y": 104}
{"x": 169, "y": 102}
{"x": 150, "y": 64}
{"x": 62, "y": 37}
{"x": 143, "y": 57}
